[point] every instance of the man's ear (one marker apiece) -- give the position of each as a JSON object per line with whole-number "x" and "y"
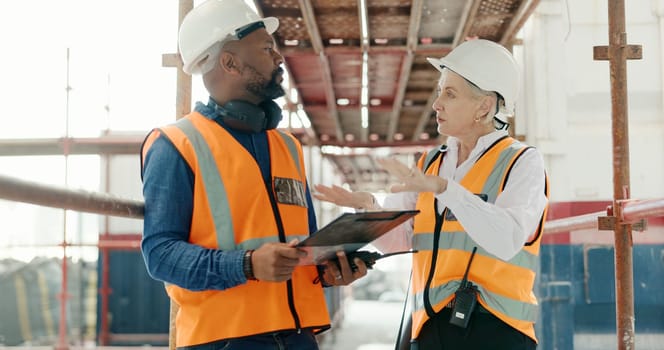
{"x": 227, "y": 62}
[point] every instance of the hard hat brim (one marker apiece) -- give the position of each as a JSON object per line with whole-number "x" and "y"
{"x": 271, "y": 24}
{"x": 436, "y": 62}
{"x": 441, "y": 63}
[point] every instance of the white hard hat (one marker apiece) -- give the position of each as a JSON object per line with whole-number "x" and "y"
{"x": 489, "y": 66}
{"x": 211, "y": 22}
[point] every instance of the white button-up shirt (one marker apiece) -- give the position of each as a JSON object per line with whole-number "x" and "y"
{"x": 501, "y": 228}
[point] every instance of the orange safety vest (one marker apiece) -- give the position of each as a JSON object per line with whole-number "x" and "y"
{"x": 232, "y": 210}
{"x": 505, "y": 287}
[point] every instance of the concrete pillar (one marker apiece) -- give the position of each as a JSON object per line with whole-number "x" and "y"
{"x": 544, "y": 91}
{"x": 658, "y": 11}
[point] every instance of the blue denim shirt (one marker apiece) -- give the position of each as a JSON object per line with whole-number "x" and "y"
{"x": 168, "y": 187}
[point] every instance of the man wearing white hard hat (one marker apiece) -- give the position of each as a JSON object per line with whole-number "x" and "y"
{"x": 226, "y": 197}
{"x": 482, "y": 198}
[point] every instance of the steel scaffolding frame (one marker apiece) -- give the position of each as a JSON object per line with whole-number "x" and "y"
{"x": 621, "y": 217}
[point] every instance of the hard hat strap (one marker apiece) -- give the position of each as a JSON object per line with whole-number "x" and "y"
{"x": 499, "y": 124}
{"x": 248, "y": 29}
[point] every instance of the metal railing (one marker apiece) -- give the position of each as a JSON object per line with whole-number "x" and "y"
{"x": 631, "y": 211}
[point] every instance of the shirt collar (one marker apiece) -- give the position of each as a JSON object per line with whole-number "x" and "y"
{"x": 207, "y": 110}
{"x": 482, "y": 144}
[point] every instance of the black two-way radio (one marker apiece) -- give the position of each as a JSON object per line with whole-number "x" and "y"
{"x": 368, "y": 257}
{"x": 465, "y": 299}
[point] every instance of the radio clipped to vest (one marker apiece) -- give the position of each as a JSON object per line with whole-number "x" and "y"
{"x": 465, "y": 299}
{"x": 248, "y": 117}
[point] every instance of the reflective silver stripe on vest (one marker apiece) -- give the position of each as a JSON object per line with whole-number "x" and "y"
{"x": 214, "y": 186}
{"x": 461, "y": 241}
{"x": 510, "y": 307}
{"x": 292, "y": 148}
{"x": 436, "y": 293}
{"x": 493, "y": 182}
{"x": 515, "y": 309}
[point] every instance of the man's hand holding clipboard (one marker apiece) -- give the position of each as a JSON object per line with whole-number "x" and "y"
{"x": 336, "y": 245}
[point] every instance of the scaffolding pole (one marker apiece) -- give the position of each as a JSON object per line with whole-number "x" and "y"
{"x": 617, "y": 53}
{"x": 622, "y": 231}
{"x": 105, "y": 204}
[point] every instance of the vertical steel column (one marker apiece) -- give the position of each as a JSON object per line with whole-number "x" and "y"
{"x": 622, "y": 232}
{"x": 63, "y": 342}
{"x": 104, "y": 292}
{"x": 104, "y": 335}
{"x": 618, "y": 52}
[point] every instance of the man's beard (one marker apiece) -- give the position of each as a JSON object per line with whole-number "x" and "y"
{"x": 261, "y": 87}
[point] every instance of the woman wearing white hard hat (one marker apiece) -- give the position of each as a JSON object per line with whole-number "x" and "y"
{"x": 482, "y": 199}
{"x": 226, "y": 197}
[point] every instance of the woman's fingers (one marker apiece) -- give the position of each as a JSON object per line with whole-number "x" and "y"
{"x": 396, "y": 168}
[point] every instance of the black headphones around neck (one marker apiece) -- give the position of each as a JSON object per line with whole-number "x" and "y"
{"x": 248, "y": 117}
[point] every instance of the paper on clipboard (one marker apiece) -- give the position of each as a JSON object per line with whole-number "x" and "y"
{"x": 350, "y": 232}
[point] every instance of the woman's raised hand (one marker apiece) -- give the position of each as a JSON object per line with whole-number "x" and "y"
{"x": 411, "y": 179}
{"x": 342, "y": 197}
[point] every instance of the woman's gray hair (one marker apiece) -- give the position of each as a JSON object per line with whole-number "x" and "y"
{"x": 500, "y": 102}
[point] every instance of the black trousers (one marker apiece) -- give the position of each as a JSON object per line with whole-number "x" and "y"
{"x": 484, "y": 331}
{"x": 287, "y": 340}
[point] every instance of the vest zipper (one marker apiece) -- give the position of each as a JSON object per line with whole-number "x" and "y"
{"x": 291, "y": 305}
{"x": 282, "y": 238}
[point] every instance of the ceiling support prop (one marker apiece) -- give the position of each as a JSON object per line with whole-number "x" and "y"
{"x": 317, "y": 44}
{"x": 426, "y": 114}
{"x": 618, "y": 52}
{"x": 522, "y": 15}
{"x": 406, "y": 66}
{"x": 467, "y": 19}
{"x": 364, "y": 89}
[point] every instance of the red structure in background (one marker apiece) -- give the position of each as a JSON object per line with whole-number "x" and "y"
{"x": 563, "y": 218}
{"x": 108, "y": 242}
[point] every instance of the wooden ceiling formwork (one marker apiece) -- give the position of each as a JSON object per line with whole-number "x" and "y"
{"x": 323, "y": 47}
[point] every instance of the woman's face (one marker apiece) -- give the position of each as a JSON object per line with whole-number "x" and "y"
{"x": 456, "y": 107}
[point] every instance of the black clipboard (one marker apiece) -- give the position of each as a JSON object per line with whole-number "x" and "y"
{"x": 350, "y": 232}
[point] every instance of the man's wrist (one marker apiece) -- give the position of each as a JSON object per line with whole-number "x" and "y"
{"x": 247, "y": 265}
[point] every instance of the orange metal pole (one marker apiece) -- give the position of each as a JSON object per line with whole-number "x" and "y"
{"x": 621, "y": 182}
{"x": 103, "y": 337}
{"x": 63, "y": 342}
{"x": 104, "y": 293}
